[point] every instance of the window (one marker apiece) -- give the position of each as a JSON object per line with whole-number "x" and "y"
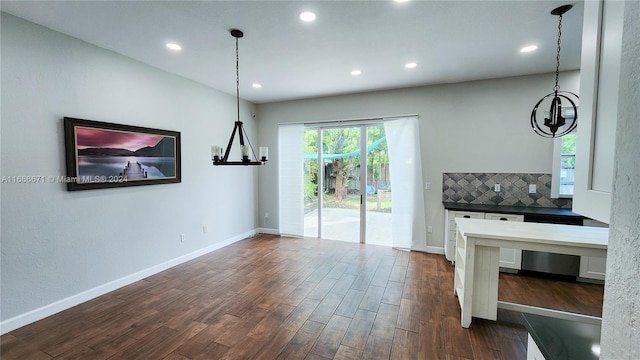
{"x": 564, "y": 164}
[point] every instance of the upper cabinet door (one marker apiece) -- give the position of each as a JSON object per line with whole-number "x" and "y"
{"x": 598, "y": 110}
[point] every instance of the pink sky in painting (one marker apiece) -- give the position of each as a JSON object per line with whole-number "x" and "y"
{"x": 94, "y": 138}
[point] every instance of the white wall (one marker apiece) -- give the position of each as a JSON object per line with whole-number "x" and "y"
{"x": 621, "y": 309}
{"x": 480, "y": 126}
{"x": 56, "y": 245}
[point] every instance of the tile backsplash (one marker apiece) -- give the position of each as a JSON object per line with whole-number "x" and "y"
{"x": 478, "y": 188}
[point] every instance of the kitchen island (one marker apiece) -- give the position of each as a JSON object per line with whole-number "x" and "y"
{"x": 478, "y": 244}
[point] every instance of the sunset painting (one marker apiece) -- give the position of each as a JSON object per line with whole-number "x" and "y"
{"x": 104, "y": 155}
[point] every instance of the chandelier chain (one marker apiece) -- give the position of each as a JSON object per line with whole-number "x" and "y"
{"x": 238, "y": 81}
{"x": 246, "y": 136}
{"x": 557, "y": 87}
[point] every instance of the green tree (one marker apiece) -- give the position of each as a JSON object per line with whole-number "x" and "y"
{"x": 377, "y": 158}
{"x": 341, "y": 141}
{"x": 310, "y": 166}
{"x": 569, "y": 148}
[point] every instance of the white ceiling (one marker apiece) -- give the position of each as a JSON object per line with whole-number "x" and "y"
{"x": 452, "y": 41}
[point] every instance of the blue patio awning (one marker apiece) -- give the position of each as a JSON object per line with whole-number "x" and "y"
{"x": 353, "y": 153}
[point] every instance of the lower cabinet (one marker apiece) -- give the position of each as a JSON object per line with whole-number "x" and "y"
{"x": 593, "y": 267}
{"x": 450, "y": 230}
{"x": 509, "y": 258}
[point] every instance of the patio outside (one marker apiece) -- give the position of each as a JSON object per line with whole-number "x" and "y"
{"x": 343, "y": 222}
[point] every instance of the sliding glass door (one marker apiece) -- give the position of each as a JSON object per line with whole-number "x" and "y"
{"x": 311, "y": 178}
{"x": 358, "y": 183}
{"x": 341, "y": 200}
{"x": 347, "y": 185}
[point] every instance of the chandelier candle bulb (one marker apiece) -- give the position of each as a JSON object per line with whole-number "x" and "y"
{"x": 215, "y": 152}
{"x": 264, "y": 153}
{"x": 245, "y": 153}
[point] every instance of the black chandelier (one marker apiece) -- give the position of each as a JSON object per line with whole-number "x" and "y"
{"x": 216, "y": 151}
{"x": 555, "y": 120}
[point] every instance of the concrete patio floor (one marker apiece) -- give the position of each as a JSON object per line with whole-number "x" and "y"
{"x": 344, "y": 225}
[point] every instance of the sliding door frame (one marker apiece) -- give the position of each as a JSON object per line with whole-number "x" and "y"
{"x": 363, "y": 126}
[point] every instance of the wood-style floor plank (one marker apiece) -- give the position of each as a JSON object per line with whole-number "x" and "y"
{"x": 377, "y": 348}
{"x": 405, "y": 345}
{"x": 329, "y": 341}
{"x": 347, "y": 353}
{"x": 393, "y": 293}
{"x": 301, "y": 343}
{"x": 281, "y": 298}
{"x": 359, "y": 329}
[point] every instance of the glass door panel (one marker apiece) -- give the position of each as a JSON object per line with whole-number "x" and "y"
{"x": 378, "y": 190}
{"x": 311, "y": 182}
{"x": 341, "y": 194}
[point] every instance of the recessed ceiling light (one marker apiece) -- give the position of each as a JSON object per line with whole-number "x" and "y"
{"x": 529, "y": 48}
{"x": 173, "y": 46}
{"x": 356, "y": 72}
{"x": 400, "y": 1}
{"x": 256, "y": 85}
{"x": 410, "y": 65}
{"x": 307, "y": 16}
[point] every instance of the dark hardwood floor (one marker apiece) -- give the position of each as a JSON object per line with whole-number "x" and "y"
{"x": 282, "y": 298}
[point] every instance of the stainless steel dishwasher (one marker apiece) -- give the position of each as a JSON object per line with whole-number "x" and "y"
{"x": 550, "y": 263}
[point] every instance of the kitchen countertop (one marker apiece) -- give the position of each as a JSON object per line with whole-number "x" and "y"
{"x": 521, "y": 210}
{"x": 527, "y": 235}
{"x": 563, "y": 339}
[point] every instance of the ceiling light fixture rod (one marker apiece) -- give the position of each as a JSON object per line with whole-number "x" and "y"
{"x": 237, "y": 34}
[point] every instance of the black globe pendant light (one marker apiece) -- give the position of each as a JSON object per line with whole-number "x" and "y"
{"x": 562, "y": 106}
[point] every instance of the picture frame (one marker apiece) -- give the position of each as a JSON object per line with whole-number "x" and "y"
{"x": 107, "y": 155}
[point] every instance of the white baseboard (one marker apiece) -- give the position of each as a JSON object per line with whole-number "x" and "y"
{"x": 71, "y": 301}
{"x": 268, "y": 231}
{"x": 435, "y": 250}
{"x": 210, "y": 248}
{"x": 430, "y": 250}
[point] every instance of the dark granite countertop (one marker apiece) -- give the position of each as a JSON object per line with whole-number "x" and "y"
{"x": 563, "y": 339}
{"x": 521, "y": 210}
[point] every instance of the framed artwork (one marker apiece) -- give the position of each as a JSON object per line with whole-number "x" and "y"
{"x": 106, "y": 155}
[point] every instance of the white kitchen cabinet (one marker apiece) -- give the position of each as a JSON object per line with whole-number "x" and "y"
{"x": 509, "y": 258}
{"x": 593, "y": 267}
{"x": 598, "y": 108}
{"x": 450, "y": 230}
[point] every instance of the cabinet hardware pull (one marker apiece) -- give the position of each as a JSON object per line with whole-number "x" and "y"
{"x": 505, "y": 219}
{"x": 467, "y": 217}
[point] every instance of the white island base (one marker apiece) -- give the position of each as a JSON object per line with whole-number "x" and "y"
{"x": 478, "y": 244}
